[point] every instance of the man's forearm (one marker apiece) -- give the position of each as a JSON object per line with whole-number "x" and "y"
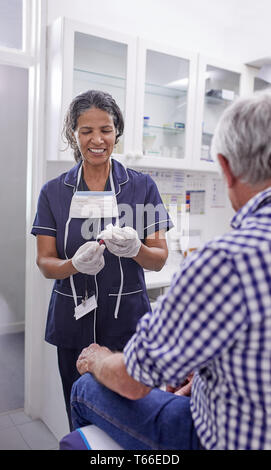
{"x": 113, "y": 374}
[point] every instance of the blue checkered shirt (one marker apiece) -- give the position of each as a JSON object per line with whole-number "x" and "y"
{"x": 215, "y": 320}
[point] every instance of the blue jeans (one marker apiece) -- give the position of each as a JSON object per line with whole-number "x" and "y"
{"x": 161, "y": 420}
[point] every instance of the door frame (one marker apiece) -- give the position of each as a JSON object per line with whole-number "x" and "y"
{"x": 33, "y": 58}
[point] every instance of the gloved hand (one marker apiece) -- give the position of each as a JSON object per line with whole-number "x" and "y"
{"x": 89, "y": 259}
{"x": 121, "y": 241}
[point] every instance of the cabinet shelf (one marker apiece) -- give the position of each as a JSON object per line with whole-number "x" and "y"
{"x": 165, "y": 129}
{"x": 161, "y": 90}
{"x": 120, "y": 82}
{"x": 100, "y": 78}
{"x": 217, "y": 101}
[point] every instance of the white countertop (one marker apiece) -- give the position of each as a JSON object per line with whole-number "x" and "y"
{"x": 161, "y": 278}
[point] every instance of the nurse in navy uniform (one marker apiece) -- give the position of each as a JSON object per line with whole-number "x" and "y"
{"x": 99, "y": 292}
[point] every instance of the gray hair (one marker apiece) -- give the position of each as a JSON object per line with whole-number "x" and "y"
{"x": 243, "y": 137}
{"x": 82, "y": 103}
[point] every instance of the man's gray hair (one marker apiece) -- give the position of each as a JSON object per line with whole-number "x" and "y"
{"x": 243, "y": 137}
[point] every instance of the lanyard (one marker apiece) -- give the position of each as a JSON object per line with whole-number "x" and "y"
{"x": 65, "y": 247}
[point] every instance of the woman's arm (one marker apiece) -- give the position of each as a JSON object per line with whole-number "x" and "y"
{"x": 154, "y": 252}
{"x": 51, "y": 266}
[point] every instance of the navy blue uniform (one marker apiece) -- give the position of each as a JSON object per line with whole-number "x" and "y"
{"x": 62, "y": 330}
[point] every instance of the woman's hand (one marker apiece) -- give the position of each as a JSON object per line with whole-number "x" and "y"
{"x": 151, "y": 254}
{"x": 121, "y": 241}
{"x": 89, "y": 258}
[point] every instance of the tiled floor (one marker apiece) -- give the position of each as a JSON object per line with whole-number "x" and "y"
{"x": 19, "y": 432}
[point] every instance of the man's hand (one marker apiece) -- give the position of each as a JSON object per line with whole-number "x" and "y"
{"x": 91, "y": 357}
{"x": 109, "y": 369}
{"x": 184, "y": 389}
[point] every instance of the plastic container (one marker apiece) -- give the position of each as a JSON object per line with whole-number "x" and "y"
{"x": 146, "y": 121}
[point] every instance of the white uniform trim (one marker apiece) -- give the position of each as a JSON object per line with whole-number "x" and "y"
{"x": 45, "y": 228}
{"x": 127, "y": 293}
{"x": 66, "y": 295}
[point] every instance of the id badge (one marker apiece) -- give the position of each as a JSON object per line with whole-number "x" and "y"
{"x": 85, "y": 307}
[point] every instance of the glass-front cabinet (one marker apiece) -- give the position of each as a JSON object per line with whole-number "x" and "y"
{"x": 101, "y": 64}
{"x": 261, "y": 85}
{"x": 171, "y": 99}
{"x": 153, "y": 84}
{"x": 218, "y": 86}
{"x": 80, "y": 58}
{"x": 258, "y": 75}
{"x": 164, "y": 105}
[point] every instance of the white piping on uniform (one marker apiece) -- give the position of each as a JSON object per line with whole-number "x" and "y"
{"x": 66, "y": 295}
{"x": 127, "y": 293}
{"x": 116, "y": 313}
{"x": 45, "y": 228}
{"x": 158, "y": 222}
{"x": 120, "y": 184}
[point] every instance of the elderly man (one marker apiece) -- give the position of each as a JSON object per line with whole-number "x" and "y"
{"x": 215, "y": 320}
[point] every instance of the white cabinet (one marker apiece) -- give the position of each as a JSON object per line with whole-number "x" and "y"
{"x": 83, "y": 57}
{"x": 258, "y": 74}
{"x": 219, "y": 84}
{"x": 146, "y": 79}
{"x": 165, "y": 90}
{"x": 171, "y": 99}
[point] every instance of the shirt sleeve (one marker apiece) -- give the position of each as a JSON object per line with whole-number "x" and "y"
{"x": 44, "y": 222}
{"x": 156, "y": 216}
{"x": 198, "y": 319}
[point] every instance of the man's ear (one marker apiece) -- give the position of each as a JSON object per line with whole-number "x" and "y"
{"x": 226, "y": 169}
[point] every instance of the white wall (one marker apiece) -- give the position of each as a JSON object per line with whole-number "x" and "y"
{"x": 13, "y": 136}
{"x": 237, "y": 29}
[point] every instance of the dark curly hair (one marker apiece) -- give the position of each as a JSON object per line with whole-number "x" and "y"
{"x": 81, "y": 103}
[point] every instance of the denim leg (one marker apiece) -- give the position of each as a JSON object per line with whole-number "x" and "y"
{"x": 161, "y": 420}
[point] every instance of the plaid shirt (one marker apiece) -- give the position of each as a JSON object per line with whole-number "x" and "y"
{"x": 216, "y": 320}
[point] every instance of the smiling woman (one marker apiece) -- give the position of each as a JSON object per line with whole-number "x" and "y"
{"x": 96, "y": 137}
{"x": 109, "y": 115}
{"x": 100, "y": 292}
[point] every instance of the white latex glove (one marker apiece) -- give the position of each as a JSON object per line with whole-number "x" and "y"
{"x": 89, "y": 258}
{"x": 121, "y": 241}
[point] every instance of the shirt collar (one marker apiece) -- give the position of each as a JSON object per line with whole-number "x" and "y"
{"x": 251, "y": 207}
{"x": 120, "y": 175}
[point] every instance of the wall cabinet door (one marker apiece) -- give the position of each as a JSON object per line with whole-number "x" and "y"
{"x": 83, "y": 57}
{"x": 165, "y": 91}
{"x": 256, "y": 79}
{"x": 219, "y": 84}
{"x": 260, "y": 84}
